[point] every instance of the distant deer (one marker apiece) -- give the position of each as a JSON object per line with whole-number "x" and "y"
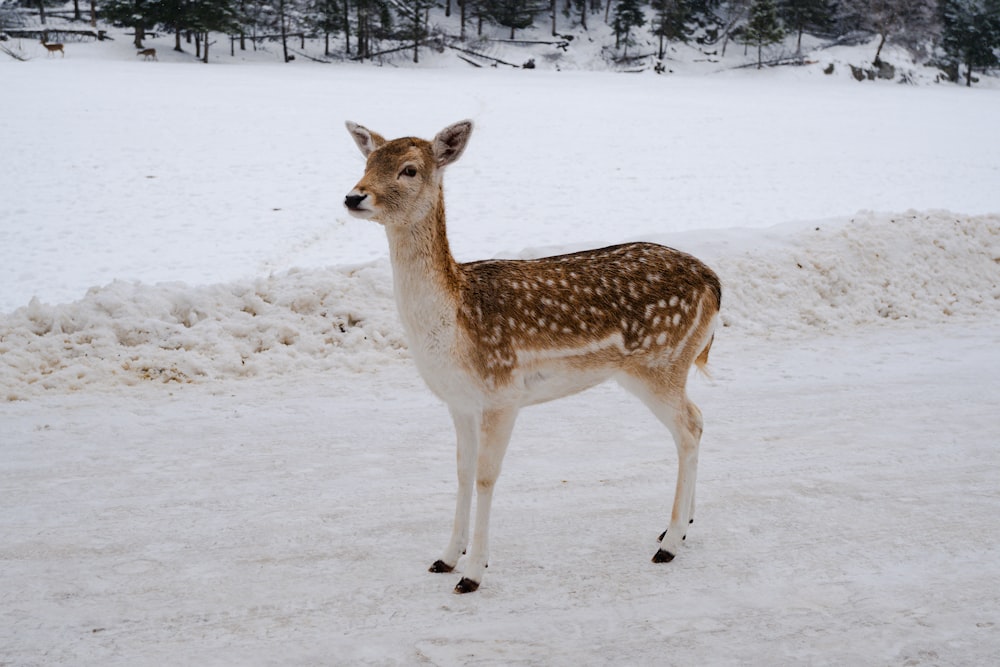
{"x": 52, "y": 48}
{"x": 147, "y": 54}
{"x": 491, "y": 337}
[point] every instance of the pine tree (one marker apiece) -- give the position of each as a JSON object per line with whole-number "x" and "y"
{"x": 764, "y": 28}
{"x": 802, "y": 15}
{"x": 208, "y": 16}
{"x": 672, "y": 22}
{"x": 327, "y": 17}
{"x": 513, "y": 14}
{"x": 971, "y": 33}
{"x": 628, "y": 15}
{"x": 413, "y": 22}
{"x": 137, "y": 14}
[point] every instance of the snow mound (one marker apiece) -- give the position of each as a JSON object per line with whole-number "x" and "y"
{"x": 788, "y": 280}
{"x": 831, "y": 276}
{"x": 124, "y": 333}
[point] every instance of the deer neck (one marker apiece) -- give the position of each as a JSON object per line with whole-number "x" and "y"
{"x": 426, "y": 278}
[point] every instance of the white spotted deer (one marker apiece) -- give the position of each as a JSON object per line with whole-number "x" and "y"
{"x": 491, "y": 337}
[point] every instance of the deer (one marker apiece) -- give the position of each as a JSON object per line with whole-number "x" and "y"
{"x": 52, "y": 48}
{"x": 493, "y": 336}
{"x": 147, "y": 54}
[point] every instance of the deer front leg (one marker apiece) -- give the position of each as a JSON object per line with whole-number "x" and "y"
{"x": 495, "y": 435}
{"x": 467, "y": 447}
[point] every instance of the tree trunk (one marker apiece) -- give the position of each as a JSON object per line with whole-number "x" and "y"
{"x": 760, "y": 49}
{"x": 447, "y": 8}
{"x": 660, "y": 52}
{"x": 205, "y": 57}
{"x": 93, "y": 13}
{"x": 177, "y": 41}
{"x": 284, "y": 34}
{"x": 140, "y": 34}
{"x": 347, "y": 26}
{"x": 583, "y": 14}
{"x": 878, "y": 51}
{"x": 41, "y": 12}
{"x": 461, "y": 30}
{"x": 554, "y": 12}
{"x": 76, "y": 10}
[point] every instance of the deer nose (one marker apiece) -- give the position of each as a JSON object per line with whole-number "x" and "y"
{"x": 353, "y": 201}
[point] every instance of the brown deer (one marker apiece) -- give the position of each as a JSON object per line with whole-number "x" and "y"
{"x": 491, "y": 337}
{"x": 52, "y": 48}
{"x": 147, "y": 54}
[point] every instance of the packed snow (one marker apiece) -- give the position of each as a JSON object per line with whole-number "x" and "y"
{"x": 215, "y": 448}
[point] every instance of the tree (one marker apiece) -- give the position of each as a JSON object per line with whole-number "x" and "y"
{"x": 138, "y": 14}
{"x": 903, "y": 20}
{"x": 671, "y": 22}
{"x": 731, "y": 16}
{"x": 971, "y": 33}
{"x": 513, "y": 14}
{"x": 413, "y": 22}
{"x": 801, "y": 15}
{"x": 326, "y": 16}
{"x": 764, "y": 27}
{"x": 208, "y": 16}
{"x": 628, "y": 15}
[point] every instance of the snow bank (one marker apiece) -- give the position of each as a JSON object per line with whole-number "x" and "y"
{"x": 792, "y": 279}
{"x": 124, "y": 333}
{"x": 830, "y": 276}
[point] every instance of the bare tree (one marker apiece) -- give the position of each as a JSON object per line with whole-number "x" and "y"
{"x": 900, "y": 20}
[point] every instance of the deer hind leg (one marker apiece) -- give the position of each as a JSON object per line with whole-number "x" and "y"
{"x": 668, "y": 401}
{"x": 467, "y": 428}
{"x": 495, "y": 435}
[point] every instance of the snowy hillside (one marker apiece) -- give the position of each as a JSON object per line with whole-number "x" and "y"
{"x": 214, "y": 448}
{"x": 843, "y": 46}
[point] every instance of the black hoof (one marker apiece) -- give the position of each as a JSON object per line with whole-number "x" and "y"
{"x": 466, "y": 586}
{"x": 662, "y": 535}
{"x": 662, "y": 556}
{"x": 440, "y": 566}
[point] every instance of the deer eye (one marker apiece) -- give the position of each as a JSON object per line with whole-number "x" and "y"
{"x": 409, "y": 171}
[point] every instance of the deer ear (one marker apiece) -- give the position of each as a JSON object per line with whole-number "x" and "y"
{"x": 366, "y": 140}
{"x": 450, "y": 142}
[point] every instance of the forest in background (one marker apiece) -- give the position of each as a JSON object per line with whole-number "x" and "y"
{"x": 959, "y": 36}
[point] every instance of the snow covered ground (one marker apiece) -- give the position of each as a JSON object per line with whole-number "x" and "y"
{"x": 214, "y": 448}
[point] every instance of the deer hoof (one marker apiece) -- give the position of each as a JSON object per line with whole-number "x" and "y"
{"x": 440, "y": 566}
{"x": 466, "y": 585}
{"x": 662, "y": 556}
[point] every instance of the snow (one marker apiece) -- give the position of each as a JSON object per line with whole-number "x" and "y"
{"x": 215, "y": 448}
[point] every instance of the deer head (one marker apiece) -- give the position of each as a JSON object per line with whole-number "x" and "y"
{"x": 402, "y": 180}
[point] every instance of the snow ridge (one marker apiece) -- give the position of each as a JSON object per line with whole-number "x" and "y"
{"x": 795, "y": 279}
{"x": 123, "y": 333}
{"x": 927, "y": 267}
